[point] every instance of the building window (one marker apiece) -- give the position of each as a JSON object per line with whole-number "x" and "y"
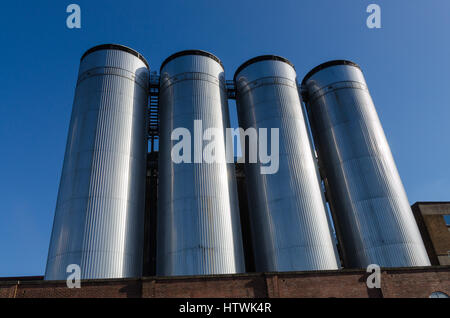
{"x": 447, "y": 219}
{"x": 438, "y": 294}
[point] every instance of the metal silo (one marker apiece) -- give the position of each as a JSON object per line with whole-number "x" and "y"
{"x": 99, "y": 215}
{"x": 198, "y": 218}
{"x": 289, "y": 223}
{"x": 374, "y": 220}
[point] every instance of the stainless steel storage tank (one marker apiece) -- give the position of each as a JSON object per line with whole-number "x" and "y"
{"x": 198, "y": 218}
{"x": 99, "y": 216}
{"x": 373, "y": 216}
{"x": 289, "y": 223}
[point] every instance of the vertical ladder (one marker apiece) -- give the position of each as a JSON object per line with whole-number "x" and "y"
{"x": 231, "y": 89}
{"x": 153, "y": 110}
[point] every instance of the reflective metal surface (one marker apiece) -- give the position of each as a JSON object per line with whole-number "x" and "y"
{"x": 288, "y": 218}
{"x": 99, "y": 215}
{"x": 374, "y": 219}
{"x": 198, "y": 218}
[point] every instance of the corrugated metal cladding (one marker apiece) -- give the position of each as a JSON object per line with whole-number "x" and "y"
{"x": 289, "y": 223}
{"x": 100, "y": 208}
{"x": 373, "y": 215}
{"x": 198, "y": 218}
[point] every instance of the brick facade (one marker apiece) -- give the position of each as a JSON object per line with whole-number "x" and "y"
{"x": 435, "y": 233}
{"x": 399, "y": 282}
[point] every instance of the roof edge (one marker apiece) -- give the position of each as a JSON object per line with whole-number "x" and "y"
{"x": 259, "y": 59}
{"x": 326, "y": 65}
{"x": 190, "y": 52}
{"x": 112, "y": 46}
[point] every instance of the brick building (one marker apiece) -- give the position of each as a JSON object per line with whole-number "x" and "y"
{"x": 395, "y": 282}
{"x": 433, "y": 219}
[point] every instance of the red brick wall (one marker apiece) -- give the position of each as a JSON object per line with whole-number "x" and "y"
{"x": 320, "y": 285}
{"x": 439, "y": 233}
{"x": 226, "y": 286}
{"x": 435, "y": 234}
{"x": 91, "y": 289}
{"x": 420, "y": 283}
{"x": 412, "y": 282}
{"x": 7, "y": 291}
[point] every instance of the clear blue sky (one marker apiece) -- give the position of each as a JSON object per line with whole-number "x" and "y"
{"x": 406, "y": 64}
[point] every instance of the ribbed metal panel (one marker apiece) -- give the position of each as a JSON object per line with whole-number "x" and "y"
{"x": 198, "y": 221}
{"x": 373, "y": 215}
{"x": 289, "y": 223}
{"x": 100, "y": 208}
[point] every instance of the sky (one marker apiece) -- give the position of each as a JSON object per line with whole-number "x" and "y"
{"x": 406, "y": 64}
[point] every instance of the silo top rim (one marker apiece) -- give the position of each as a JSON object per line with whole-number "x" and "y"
{"x": 327, "y": 64}
{"x": 190, "y": 52}
{"x": 262, "y": 58}
{"x": 112, "y": 46}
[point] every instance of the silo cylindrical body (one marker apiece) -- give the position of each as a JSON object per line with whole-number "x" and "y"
{"x": 290, "y": 227}
{"x": 99, "y": 215}
{"x": 372, "y": 213}
{"x": 198, "y": 219}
